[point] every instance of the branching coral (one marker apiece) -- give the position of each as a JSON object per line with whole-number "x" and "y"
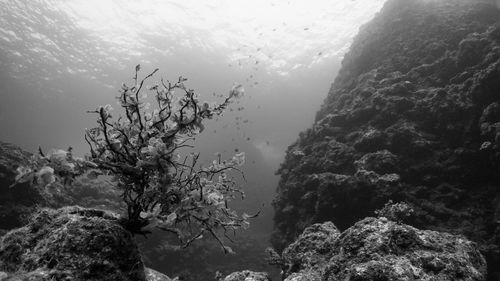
{"x": 141, "y": 152}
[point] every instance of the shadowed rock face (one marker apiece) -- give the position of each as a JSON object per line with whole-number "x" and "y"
{"x": 381, "y": 249}
{"x": 414, "y": 115}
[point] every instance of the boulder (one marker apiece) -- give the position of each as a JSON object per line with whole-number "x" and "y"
{"x": 381, "y": 249}
{"x": 72, "y": 243}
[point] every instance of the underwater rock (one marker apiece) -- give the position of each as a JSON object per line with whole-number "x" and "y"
{"x": 413, "y": 116}
{"x": 311, "y": 249}
{"x": 247, "y": 275}
{"x": 381, "y": 249}
{"x": 72, "y": 243}
{"x": 19, "y": 201}
{"x": 153, "y": 275}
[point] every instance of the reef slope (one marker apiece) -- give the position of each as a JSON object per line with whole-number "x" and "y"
{"x": 413, "y": 115}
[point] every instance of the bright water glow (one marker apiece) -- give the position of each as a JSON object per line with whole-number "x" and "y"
{"x": 73, "y": 54}
{"x": 275, "y": 33}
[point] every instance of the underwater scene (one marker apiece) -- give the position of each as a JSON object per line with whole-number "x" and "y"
{"x": 237, "y": 140}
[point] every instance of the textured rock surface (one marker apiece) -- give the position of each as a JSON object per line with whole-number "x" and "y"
{"x": 380, "y": 249}
{"x": 72, "y": 243}
{"x": 153, "y": 275}
{"x": 414, "y": 115}
{"x": 311, "y": 249}
{"x": 247, "y": 275}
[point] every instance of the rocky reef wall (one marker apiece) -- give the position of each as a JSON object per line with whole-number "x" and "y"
{"x": 414, "y": 115}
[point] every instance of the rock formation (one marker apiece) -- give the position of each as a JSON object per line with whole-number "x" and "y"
{"x": 247, "y": 275}
{"x": 19, "y": 201}
{"x": 413, "y": 115}
{"x": 381, "y": 249}
{"x": 73, "y": 243}
{"x": 15, "y": 203}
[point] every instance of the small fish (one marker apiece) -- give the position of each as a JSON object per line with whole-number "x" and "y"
{"x": 306, "y": 28}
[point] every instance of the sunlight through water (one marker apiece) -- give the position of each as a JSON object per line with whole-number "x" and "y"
{"x": 275, "y": 33}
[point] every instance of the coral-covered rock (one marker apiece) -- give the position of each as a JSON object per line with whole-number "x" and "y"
{"x": 414, "y": 116}
{"x": 247, "y": 275}
{"x": 71, "y": 243}
{"x": 312, "y": 248}
{"x": 381, "y": 249}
